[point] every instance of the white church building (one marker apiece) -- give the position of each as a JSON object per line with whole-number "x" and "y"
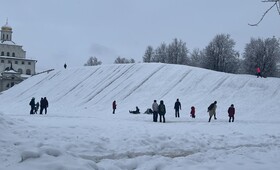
{"x": 14, "y": 66}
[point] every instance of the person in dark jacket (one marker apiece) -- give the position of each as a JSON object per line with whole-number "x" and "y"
{"x": 177, "y": 107}
{"x": 44, "y": 104}
{"x": 155, "y": 111}
{"x": 212, "y": 111}
{"x": 231, "y": 113}
{"x": 137, "y": 111}
{"x": 192, "y": 112}
{"x": 41, "y": 105}
{"x": 161, "y": 111}
{"x": 32, "y": 105}
{"x": 114, "y": 105}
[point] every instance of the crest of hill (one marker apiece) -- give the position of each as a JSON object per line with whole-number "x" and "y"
{"x": 94, "y": 88}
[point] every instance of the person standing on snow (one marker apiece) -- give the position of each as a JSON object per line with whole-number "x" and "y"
{"x": 41, "y": 105}
{"x": 231, "y": 113}
{"x": 155, "y": 111}
{"x": 46, "y": 104}
{"x": 114, "y": 105}
{"x": 177, "y": 106}
{"x": 161, "y": 111}
{"x": 212, "y": 110}
{"x": 193, "y": 112}
{"x": 32, "y": 105}
{"x": 258, "y": 72}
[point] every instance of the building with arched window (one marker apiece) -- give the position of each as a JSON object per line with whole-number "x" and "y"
{"x": 14, "y": 66}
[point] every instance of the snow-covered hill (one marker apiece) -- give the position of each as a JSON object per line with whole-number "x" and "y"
{"x": 80, "y": 131}
{"x": 94, "y": 89}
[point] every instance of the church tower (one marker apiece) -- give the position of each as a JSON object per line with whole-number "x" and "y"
{"x": 14, "y": 66}
{"x": 6, "y": 32}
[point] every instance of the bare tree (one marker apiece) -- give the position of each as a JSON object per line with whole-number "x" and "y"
{"x": 177, "y": 53}
{"x": 275, "y": 3}
{"x": 262, "y": 53}
{"x": 160, "y": 54}
{"x": 123, "y": 60}
{"x": 149, "y": 54}
{"x": 220, "y": 54}
{"x": 93, "y": 61}
{"x": 196, "y": 58}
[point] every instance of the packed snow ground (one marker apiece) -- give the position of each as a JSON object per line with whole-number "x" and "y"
{"x": 81, "y": 133}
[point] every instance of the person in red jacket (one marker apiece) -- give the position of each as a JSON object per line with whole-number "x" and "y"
{"x": 258, "y": 72}
{"x": 114, "y": 105}
{"x": 193, "y": 112}
{"x": 231, "y": 112}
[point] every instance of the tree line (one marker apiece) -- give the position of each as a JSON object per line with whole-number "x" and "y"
{"x": 218, "y": 55}
{"x": 93, "y": 61}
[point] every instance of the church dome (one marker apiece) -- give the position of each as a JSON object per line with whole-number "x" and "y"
{"x": 6, "y": 28}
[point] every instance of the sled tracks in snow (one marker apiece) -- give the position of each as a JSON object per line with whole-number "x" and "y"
{"x": 176, "y": 153}
{"x": 131, "y": 155}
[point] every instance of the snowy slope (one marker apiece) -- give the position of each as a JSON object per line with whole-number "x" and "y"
{"x": 94, "y": 88}
{"x": 80, "y": 131}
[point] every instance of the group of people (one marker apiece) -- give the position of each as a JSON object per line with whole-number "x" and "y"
{"x": 44, "y": 104}
{"x": 160, "y": 111}
{"x": 212, "y": 111}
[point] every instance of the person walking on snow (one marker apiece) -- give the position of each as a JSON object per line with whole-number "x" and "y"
{"x": 155, "y": 111}
{"x": 177, "y": 106}
{"x": 212, "y": 111}
{"x": 231, "y": 113}
{"x": 161, "y": 111}
{"x": 114, "y": 105}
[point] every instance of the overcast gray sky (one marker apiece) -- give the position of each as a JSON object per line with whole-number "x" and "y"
{"x": 58, "y": 31}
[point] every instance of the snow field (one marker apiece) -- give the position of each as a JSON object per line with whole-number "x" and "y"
{"x": 80, "y": 131}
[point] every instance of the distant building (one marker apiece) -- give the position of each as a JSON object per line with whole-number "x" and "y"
{"x": 14, "y": 66}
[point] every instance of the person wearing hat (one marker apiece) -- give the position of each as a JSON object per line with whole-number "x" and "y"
{"x": 231, "y": 112}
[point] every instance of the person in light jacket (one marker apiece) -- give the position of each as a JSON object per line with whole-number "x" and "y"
{"x": 212, "y": 111}
{"x": 155, "y": 111}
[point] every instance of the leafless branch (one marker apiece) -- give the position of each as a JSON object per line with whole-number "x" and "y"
{"x": 278, "y": 7}
{"x": 276, "y": 3}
